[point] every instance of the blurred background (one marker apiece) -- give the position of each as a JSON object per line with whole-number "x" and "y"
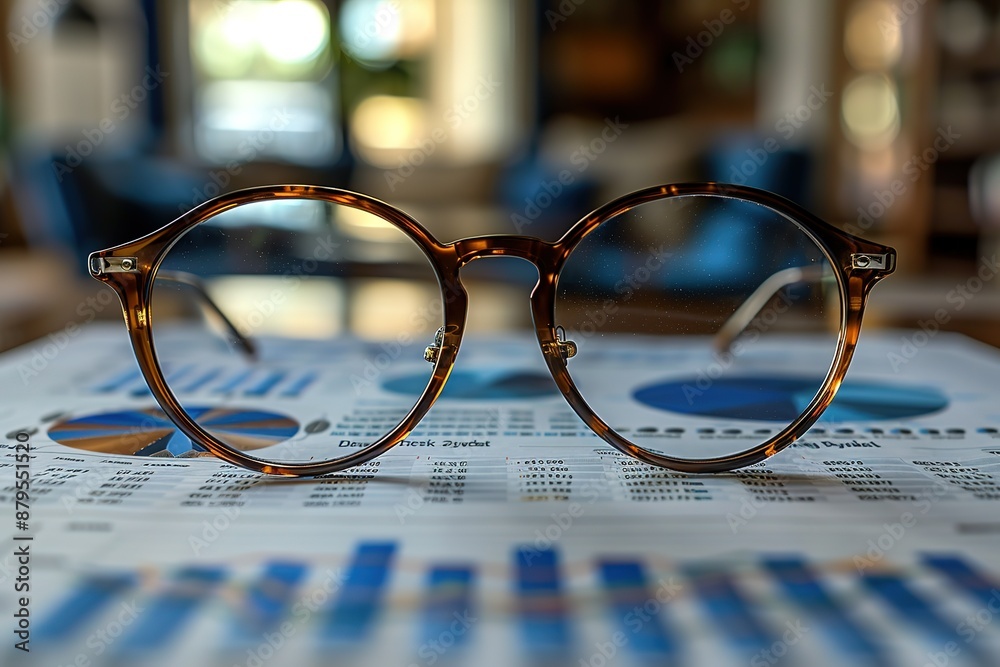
{"x": 501, "y": 116}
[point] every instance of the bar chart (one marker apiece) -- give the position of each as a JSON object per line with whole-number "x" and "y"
{"x": 214, "y": 380}
{"x": 379, "y": 603}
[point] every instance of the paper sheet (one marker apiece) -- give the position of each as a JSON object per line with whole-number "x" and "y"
{"x": 502, "y": 531}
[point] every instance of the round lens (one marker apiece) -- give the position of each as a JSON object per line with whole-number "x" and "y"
{"x": 704, "y": 324}
{"x": 278, "y": 323}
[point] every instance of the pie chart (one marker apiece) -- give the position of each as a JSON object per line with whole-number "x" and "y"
{"x": 764, "y": 398}
{"x": 150, "y": 432}
{"x": 480, "y": 385}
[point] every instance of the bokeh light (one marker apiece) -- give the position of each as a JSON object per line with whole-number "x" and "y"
{"x": 872, "y": 39}
{"x": 387, "y": 123}
{"x": 273, "y": 38}
{"x": 870, "y": 111}
{"x": 294, "y": 31}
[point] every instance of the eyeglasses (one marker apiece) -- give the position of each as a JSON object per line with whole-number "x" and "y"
{"x": 661, "y": 316}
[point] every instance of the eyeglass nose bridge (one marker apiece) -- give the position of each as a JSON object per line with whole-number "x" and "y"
{"x": 547, "y": 258}
{"x": 542, "y": 254}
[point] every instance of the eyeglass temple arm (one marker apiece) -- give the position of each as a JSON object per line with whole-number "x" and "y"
{"x": 246, "y": 345}
{"x": 755, "y": 303}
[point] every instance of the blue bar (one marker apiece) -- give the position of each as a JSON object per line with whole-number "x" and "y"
{"x": 356, "y": 608}
{"x": 118, "y": 381}
{"x": 799, "y": 582}
{"x": 82, "y": 606}
{"x": 299, "y": 385}
{"x": 637, "y": 611}
{"x": 544, "y": 623}
{"x": 984, "y": 590}
{"x": 164, "y": 616}
{"x": 201, "y": 380}
{"x": 140, "y": 390}
{"x": 171, "y": 378}
{"x": 265, "y": 385}
{"x": 235, "y": 381}
{"x": 448, "y": 612}
{"x": 182, "y": 372}
{"x": 916, "y": 610}
{"x": 267, "y": 601}
{"x": 732, "y": 613}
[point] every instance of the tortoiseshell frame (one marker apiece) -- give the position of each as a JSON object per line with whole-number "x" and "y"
{"x": 134, "y": 288}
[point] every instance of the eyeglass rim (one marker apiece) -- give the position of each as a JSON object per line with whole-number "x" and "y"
{"x": 854, "y": 285}
{"x": 134, "y": 288}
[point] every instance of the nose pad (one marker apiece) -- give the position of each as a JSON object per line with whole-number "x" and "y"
{"x": 433, "y": 351}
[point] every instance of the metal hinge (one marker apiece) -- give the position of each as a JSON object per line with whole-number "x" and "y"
{"x": 102, "y": 265}
{"x": 863, "y": 260}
